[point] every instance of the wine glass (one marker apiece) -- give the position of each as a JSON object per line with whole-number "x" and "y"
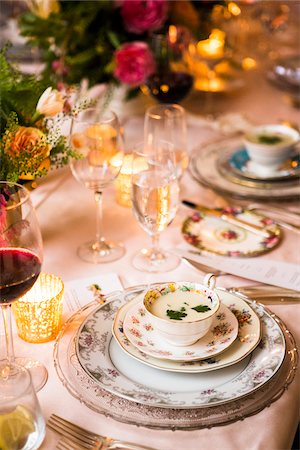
{"x": 168, "y": 123}
{"x": 171, "y": 82}
{"x": 99, "y": 141}
{"x": 21, "y": 255}
{"x": 155, "y": 198}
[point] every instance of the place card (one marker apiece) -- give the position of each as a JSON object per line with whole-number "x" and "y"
{"x": 81, "y": 291}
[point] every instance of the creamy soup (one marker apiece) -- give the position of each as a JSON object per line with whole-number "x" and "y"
{"x": 183, "y": 306}
{"x": 270, "y": 138}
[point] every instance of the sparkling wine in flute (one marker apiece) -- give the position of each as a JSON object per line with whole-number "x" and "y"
{"x": 154, "y": 201}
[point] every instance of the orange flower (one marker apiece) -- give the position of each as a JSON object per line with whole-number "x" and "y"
{"x": 27, "y": 139}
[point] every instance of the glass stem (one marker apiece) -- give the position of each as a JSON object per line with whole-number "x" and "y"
{"x": 99, "y": 218}
{"x": 10, "y": 354}
{"x": 155, "y": 246}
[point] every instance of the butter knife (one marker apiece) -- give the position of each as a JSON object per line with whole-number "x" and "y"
{"x": 230, "y": 218}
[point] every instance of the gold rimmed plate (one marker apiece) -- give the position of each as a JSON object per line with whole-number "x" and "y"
{"x": 249, "y": 334}
{"x": 214, "y": 235}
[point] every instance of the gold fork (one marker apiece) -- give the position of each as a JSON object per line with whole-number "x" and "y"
{"x": 75, "y": 437}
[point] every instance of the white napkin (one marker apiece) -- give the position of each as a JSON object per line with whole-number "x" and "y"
{"x": 277, "y": 273}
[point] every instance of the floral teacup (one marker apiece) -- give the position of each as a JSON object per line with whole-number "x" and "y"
{"x": 182, "y": 312}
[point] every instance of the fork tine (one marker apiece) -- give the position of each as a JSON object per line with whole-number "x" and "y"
{"x": 66, "y": 444}
{"x": 68, "y": 430}
{"x": 75, "y": 429}
{"x": 76, "y": 439}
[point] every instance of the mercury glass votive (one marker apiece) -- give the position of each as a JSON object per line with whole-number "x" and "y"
{"x": 38, "y": 313}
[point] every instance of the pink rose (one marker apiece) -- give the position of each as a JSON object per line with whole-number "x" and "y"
{"x": 143, "y": 15}
{"x": 134, "y": 63}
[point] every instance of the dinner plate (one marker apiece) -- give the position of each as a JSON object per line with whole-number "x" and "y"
{"x": 240, "y": 163}
{"x": 141, "y": 332}
{"x": 249, "y": 334}
{"x": 205, "y": 168}
{"x": 88, "y": 392}
{"x": 106, "y": 363}
{"x": 214, "y": 235}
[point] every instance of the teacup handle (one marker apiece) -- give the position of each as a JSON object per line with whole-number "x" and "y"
{"x": 210, "y": 280}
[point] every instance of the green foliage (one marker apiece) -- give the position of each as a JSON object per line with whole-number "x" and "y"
{"x": 84, "y": 35}
{"x": 26, "y": 158}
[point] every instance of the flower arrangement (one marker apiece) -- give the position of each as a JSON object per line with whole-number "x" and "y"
{"x": 108, "y": 40}
{"x": 31, "y": 116}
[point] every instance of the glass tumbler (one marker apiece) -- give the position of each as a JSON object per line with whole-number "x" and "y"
{"x": 22, "y": 425}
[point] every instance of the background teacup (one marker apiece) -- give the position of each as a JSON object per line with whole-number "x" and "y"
{"x": 268, "y": 146}
{"x": 182, "y": 312}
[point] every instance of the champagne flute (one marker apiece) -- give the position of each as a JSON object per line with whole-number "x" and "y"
{"x": 99, "y": 140}
{"x": 168, "y": 123}
{"x": 21, "y": 255}
{"x": 155, "y": 199}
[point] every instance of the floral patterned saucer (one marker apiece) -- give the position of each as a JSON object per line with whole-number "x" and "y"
{"x": 240, "y": 163}
{"x": 141, "y": 332}
{"x": 214, "y": 235}
{"x": 249, "y": 334}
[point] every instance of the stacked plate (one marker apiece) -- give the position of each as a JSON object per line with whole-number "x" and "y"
{"x": 225, "y": 167}
{"x": 112, "y": 359}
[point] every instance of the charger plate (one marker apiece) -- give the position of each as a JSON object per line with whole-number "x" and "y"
{"x": 141, "y": 332}
{"x": 249, "y": 335}
{"x": 205, "y": 168}
{"x": 88, "y": 391}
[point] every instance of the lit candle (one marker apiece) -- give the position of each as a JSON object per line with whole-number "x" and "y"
{"x": 213, "y": 47}
{"x": 38, "y": 313}
{"x": 123, "y": 180}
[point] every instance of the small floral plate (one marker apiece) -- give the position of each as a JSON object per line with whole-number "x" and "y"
{"x": 214, "y": 235}
{"x": 141, "y": 332}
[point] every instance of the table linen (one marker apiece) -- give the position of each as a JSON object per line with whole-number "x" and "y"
{"x": 66, "y": 213}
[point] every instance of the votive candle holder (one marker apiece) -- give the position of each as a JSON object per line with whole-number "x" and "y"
{"x": 38, "y": 313}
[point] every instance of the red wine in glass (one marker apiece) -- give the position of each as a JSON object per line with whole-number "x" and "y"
{"x": 170, "y": 87}
{"x": 19, "y": 269}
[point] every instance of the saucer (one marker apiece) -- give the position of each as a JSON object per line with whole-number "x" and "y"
{"x": 214, "y": 235}
{"x": 241, "y": 164}
{"x": 249, "y": 335}
{"x": 142, "y": 333}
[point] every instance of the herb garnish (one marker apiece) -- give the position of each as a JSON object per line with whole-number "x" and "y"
{"x": 201, "y": 308}
{"x": 264, "y": 139}
{"x": 176, "y": 315}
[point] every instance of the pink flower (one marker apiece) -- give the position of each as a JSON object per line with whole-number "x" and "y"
{"x": 134, "y": 63}
{"x": 143, "y": 15}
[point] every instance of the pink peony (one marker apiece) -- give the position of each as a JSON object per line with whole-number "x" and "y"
{"x": 134, "y": 63}
{"x": 143, "y": 15}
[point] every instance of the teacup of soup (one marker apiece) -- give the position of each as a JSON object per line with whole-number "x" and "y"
{"x": 182, "y": 312}
{"x": 268, "y": 146}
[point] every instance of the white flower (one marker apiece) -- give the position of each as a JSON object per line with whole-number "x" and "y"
{"x": 43, "y": 8}
{"x": 50, "y": 103}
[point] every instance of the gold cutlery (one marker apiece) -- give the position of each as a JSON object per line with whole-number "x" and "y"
{"x": 230, "y": 218}
{"x": 264, "y": 293}
{"x": 81, "y": 438}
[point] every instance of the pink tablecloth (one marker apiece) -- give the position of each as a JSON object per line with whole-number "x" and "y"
{"x": 67, "y": 218}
